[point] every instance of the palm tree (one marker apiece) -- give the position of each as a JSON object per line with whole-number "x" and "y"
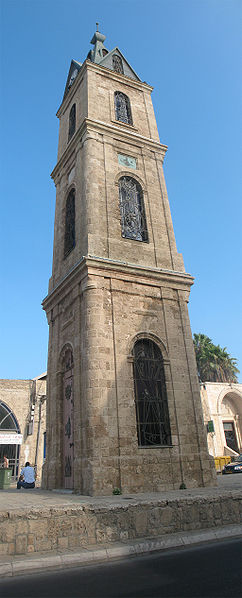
{"x": 214, "y": 364}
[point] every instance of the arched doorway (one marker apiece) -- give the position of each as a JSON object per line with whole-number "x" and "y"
{"x": 68, "y": 423}
{"x": 10, "y": 438}
{"x": 231, "y": 413}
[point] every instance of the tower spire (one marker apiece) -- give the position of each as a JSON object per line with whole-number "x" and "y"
{"x": 99, "y": 49}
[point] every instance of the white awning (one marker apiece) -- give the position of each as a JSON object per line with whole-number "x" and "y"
{"x": 8, "y": 438}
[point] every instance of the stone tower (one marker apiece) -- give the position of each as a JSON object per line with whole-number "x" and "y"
{"x": 123, "y": 396}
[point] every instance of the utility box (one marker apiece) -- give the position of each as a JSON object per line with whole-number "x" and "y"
{"x": 5, "y": 478}
{"x": 210, "y": 426}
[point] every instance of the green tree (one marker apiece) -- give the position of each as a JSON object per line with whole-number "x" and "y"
{"x": 214, "y": 364}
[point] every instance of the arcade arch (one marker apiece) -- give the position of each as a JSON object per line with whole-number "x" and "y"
{"x": 10, "y": 438}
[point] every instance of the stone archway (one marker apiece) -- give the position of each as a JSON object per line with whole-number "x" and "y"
{"x": 10, "y": 438}
{"x": 230, "y": 410}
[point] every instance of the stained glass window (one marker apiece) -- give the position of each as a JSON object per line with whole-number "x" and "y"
{"x": 122, "y": 108}
{"x": 72, "y": 121}
{"x": 153, "y": 424}
{"x": 133, "y": 221}
{"x": 70, "y": 223}
{"x": 117, "y": 64}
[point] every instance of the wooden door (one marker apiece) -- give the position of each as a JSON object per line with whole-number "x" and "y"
{"x": 68, "y": 440}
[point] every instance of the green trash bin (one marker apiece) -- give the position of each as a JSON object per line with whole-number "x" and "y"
{"x": 5, "y": 478}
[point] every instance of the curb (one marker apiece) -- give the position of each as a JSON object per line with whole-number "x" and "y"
{"x": 49, "y": 561}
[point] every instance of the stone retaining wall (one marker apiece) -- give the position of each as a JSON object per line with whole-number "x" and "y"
{"x": 82, "y": 525}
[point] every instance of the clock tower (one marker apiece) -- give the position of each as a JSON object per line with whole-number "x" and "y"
{"x": 124, "y": 406}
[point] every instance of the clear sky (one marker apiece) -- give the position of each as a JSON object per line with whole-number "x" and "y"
{"x": 189, "y": 50}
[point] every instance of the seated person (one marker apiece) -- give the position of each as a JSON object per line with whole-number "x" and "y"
{"x": 27, "y": 477}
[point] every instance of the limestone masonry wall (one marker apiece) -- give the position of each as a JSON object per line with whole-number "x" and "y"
{"x": 59, "y": 528}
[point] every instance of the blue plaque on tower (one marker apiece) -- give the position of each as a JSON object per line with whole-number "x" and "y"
{"x": 127, "y": 161}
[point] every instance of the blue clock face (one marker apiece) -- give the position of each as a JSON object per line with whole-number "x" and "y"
{"x": 127, "y": 161}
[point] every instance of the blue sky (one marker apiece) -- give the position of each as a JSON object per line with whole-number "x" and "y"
{"x": 190, "y": 51}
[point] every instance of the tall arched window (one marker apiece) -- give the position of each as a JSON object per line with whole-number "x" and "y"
{"x": 117, "y": 64}
{"x": 70, "y": 223}
{"x": 133, "y": 221}
{"x": 72, "y": 121}
{"x": 122, "y": 108}
{"x": 153, "y": 424}
{"x": 8, "y": 420}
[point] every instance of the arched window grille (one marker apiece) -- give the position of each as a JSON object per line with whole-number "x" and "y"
{"x": 117, "y": 64}
{"x": 7, "y": 418}
{"x": 9, "y": 425}
{"x": 133, "y": 221}
{"x": 153, "y": 424}
{"x": 122, "y": 108}
{"x": 70, "y": 223}
{"x": 72, "y": 121}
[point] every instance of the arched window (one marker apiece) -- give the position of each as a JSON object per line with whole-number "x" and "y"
{"x": 70, "y": 223}
{"x": 122, "y": 108}
{"x": 117, "y": 64}
{"x": 153, "y": 424}
{"x": 7, "y": 419}
{"x": 72, "y": 121}
{"x": 9, "y": 426}
{"x": 133, "y": 221}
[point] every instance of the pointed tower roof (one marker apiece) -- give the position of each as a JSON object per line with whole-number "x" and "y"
{"x": 73, "y": 72}
{"x": 99, "y": 50}
{"x": 113, "y": 59}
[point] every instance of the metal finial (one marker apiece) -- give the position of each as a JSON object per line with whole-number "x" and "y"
{"x": 97, "y": 25}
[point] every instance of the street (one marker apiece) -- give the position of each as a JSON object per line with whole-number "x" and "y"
{"x": 205, "y": 571}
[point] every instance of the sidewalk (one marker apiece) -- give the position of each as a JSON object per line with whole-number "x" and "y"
{"x": 14, "y": 499}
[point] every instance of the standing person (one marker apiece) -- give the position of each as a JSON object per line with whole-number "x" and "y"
{"x": 27, "y": 477}
{"x": 5, "y": 462}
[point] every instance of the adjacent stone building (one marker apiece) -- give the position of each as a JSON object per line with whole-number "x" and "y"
{"x": 23, "y": 423}
{"x": 124, "y": 405}
{"x": 222, "y": 411}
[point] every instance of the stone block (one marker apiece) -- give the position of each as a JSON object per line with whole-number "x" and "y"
{"x": 140, "y": 522}
{"x": 4, "y": 548}
{"x": 63, "y": 542}
{"x": 7, "y": 531}
{"x": 21, "y": 544}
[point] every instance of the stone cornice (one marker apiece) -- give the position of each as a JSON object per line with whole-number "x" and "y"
{"x": 125, "y": 134}
{"x": 94, "y": 265}
{"x": 103, "y": 70}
